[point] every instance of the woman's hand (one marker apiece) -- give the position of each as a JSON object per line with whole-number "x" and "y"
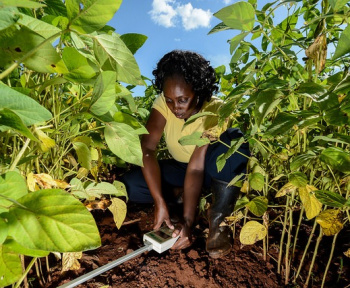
{"x": 185, "y": 240}
{"x": 161, "y": 215}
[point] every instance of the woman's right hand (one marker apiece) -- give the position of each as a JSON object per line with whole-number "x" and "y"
{"x": 161, "y": 215}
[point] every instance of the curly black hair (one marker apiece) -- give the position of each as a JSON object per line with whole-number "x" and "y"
{"x": 195, "y": 69}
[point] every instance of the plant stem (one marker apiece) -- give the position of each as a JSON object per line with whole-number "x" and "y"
{"x": 25, "y": 272}
{"x": 329, "y": 260}
{"x": 282, "y": 236}
{"x": 289, "y": 238}
{"x": 19, "y": 155}
{"x": 305, "y": 252}
{"x": 318, "y": 241}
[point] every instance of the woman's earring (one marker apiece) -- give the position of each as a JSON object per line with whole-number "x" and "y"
{"x": 197, "y": 99}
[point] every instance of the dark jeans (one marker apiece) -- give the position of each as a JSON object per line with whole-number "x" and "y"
{"x": 173, "y": 172}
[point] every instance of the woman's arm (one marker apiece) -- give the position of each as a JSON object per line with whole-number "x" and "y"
{"x": 151, "y": 171}
{"x": 192, "y": 190}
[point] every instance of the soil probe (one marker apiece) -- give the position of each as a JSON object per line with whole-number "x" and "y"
{"x": 160, "y": 241}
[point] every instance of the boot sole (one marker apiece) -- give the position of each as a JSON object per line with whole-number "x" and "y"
{"x": 216, "y": 255}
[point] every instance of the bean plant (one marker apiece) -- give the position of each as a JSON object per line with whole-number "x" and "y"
{"x": 288, "y": 89}
{"x": 66, "y": 116}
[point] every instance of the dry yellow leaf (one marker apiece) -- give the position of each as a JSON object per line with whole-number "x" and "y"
{"x": 317, "y": 51}
{"x": 331, "y": 221}
{"x": 286, "y": 189}
{"x": 252, "y": 232}
{"x": 347, "y": 253}
{"x": 311, "y": 204}
{"x": 98, "y": 204}
{"x": 46, "y": 143}
{"x": 234, "y": 218}
{"x": 245, "y": 187}
{"x": 31, "y": 183}
{"x": 61, "y": 184}
{"x": 45, "y": 180}
{"x": 70, "y": 261}
{"x": 118, "y": 209}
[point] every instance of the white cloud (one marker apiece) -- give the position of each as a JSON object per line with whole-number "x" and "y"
{"x": 167, "y": 12}
{"x": 227, "y": 1}
{"x": 163, "y": 13}
{"x": 193, "y": 18}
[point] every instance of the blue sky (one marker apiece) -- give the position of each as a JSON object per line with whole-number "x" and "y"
{"x": 174, "y": 24}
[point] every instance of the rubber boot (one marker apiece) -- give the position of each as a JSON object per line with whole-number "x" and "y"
{"x": 219, "y": 242}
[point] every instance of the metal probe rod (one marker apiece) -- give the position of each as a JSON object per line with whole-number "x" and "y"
{"x": 148, "y": 246}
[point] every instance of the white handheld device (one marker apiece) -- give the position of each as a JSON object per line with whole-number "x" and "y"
{"x": 161, "y": 239}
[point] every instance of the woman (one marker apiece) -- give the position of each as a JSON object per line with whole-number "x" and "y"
{"x": 186, "y": 82}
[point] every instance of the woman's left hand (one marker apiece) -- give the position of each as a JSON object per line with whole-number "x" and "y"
{"x": 185, "y": 239}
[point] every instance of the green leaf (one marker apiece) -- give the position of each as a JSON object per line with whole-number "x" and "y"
{"x": 337, "y": 4}
{"x": 101, "y": 189}
{"x": 84, "y": 154}
{"x": 26, "y": 108}
{"x": 238, "y": 16}
{"x": 12, "y": 120}
{"x": 256, "y": 181}
{"x": 241, "y": 202}
{"x": 312, "y": 90}
{"x": 16, "y": 247}
{"x": 124, "y": 142}
{"x": 121, "y": 189}
{"x": 219, "y": 27}
{"x": 194, "y": 139}
{"x": 235, "y": 179}
{"x": 103, "y": 96}
{"x": 8, "y": 17}
{"x": 58, "y": 222}
{"x": 94, "y": 15}
{"x": 337, "y": 158}
{"x": 10, "y": 266}
{"x": 252, "y": 232}
{"x": 122, "y": 117}
{"x": 300, "y": 160}
{"x": 122, "y": 60}
{"x": 27, "y": 47}
{"x": 330, "y": 198}
{"x": 198, "y": 115}
{"x": 133, "y": 41}
{"x": 12, "y": 185}
{"x": 282, "y": 124}
{"x": 235, "y": 41}
{"x": 298, "y": 179}
{"x": 21, "y": 3}
{"x": 258, "y": 205}
{"x": 343, "y": 46}
{"x": 3, "y": 230}
{"x": 118, "y": 209}
{"x": 266, "y": 101}
{"x": 79, "y": 68}
{"x": 42, "y": 28}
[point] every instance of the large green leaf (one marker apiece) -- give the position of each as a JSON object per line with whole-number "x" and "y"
{"x": 240, "y": 16}
{"x": 29, "y": 48}
{"x": 53, "y": 220}
{"x": 337, "y": 158}
{"x": 330, "y": 198}
{"x": 25, "y": 107}
{"x": 298, "y": 179}
{"x": 282, "y": 124}
{"x": 8, "y": 17}
{"x": 3, "y": 230}
{"x": 10, "y": 266}
{"x": 11, "y": 120}
{"x": 235, "y": 41}
{"x": 235, "y": 145}
{"x": 16, "y": 247}
{"x": 124, "y": 142}
{"x": 12, "y": 185}
{"x": 256, "y": 181}
{"x": 120, "y": 57}
{"x": 79, "y": 67}
{"x": 103, "y": 96}
{"x": 301, "y": 160}
{"x": 337, "y": 4}
{"x": 258, "y": 205}
{"x": 21, "y": 3}
{"x": 133, "y": 41}
{"x": 194, "y": 139}
{"x": 343, "y": 46}
{"x": 122, "y": 117}
{"x": 84, "y": 154}
{"x": 42, "y": 28}
{"x": 266, "y": 101}
{"x": 94, "y": 15}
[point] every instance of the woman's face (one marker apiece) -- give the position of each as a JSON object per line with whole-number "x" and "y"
{"x": 180, "y": 97}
